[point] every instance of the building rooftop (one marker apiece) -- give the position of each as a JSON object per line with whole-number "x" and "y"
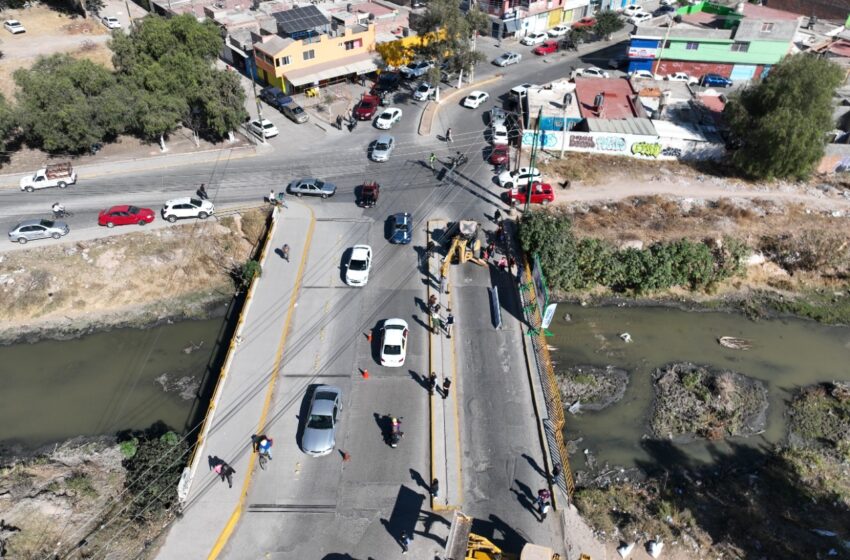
{"x": 376, "y": 10}
{"x": 273, "y": 44}
{"x": 298, "y": 20}
{"x": 683, "y": 32}
{"x": 618, "y": 98}
{"x": 762, "y": 30}
{"x": 631, "y": 125}
{"x": 771, "y": 14}
{"x": 550, "y": 99}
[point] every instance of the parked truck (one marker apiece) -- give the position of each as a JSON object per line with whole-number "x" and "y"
{"x": 54, "y": 175}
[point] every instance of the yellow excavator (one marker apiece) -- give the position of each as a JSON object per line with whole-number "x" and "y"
{"x": 465, "y": 245}
{"x": 462, "y": 544}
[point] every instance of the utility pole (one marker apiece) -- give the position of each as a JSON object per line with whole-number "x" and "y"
{"x": 568, "y": 98}
{"x": 257, "y": 99}
{"x": 533, "y": 158}
{"x": 669, "y": 21}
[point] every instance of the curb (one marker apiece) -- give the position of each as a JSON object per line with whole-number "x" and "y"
{"x": 431, "y": 110}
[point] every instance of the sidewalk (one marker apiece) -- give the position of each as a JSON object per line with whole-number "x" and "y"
{"x": 445, "y": 431}
{"x": 240, "y": 403}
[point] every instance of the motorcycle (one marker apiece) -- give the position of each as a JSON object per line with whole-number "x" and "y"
{"x": 395, "y": 431}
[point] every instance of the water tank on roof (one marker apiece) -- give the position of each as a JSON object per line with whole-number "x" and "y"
{"x": 405, "y": 32}
{"x": 599, "y": 100}
{"x": 348, "y": 7}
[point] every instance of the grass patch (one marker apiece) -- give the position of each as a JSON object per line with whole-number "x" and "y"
{"x": 81, "y": 485}
{"x": 821, "y": 306}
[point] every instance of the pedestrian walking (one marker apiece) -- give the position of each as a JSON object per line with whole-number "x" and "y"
{"x": 447, "y": 383}
{"x": 271, "y": 196}
{"x": 432, "y": 159}
{"x": 503, "y": 264}
{"x": 448, "y": 135}
{"x": 339, "y": 122}
{"x": 224, "y": 470}
{"x": 285, "y": 252}
{"x": 450, "y": 322}
{"x": 202, "y": 192}
{"x": 444, "y": 284}
{"x": 556, "y": 472}
{"x": 497, "y": 216}
{"x": 435, "y": 488}
{"x": 543, "y": 497}
{"x": 432, "y": 382}
{"x": 432, "y": 301}
{"x": 405, "y": 542}
{"x": 436, "y": 321}
{"x": 429, "y": 249}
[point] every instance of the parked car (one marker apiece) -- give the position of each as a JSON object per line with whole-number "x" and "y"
{"x": 541, "y": 193}
{"x": 632, "y": 9}
{"x": 388, "y": 118}
{"x": 559, "y": 30}
{"x": 416, "y": 69}
{"x": 366, "y": 107}
{"x": 263, "y": 128}
{"x": 14, "y": 27}
{"x": 642, "y": 75}
{"x": 54, "y": 175}
{"x": 507, "y": 58}
{"x": 187, "y": 207}
{"x": 534, "y": 39}
{"x": 111, "y": 22}
{"x": 475, "y": 99}
{"x": 424, "y": 91}
{"x": 715, "y": 80}
{"x": 358, "y": 266}
{"x": 681, "y": 77}
{"x": 499, "y": 135}
{"x": 401, "y": 228}
{"x": 519, "y": 177}
{"x": 274, "y": 97}
{"x": 382, "y": 148}
{"x": 125, "y": 215}
{"x": 499, "y": 155}
{"x": 592, "y": 72}
{"x": 639, "y": 17}
{"x": 668, "y": 2}
{"x": 585, "y": 23}
{"x": 295, "y": 113}
{"x": 319, "y": 437}
{"x": 546, "y": 47}
{"x": 30, "y": 230}
{"x": 311, "y": 187}
{"x": 387, "y": 81}
{"x": 664, "y": 10}
{"x": 394, "y": 342}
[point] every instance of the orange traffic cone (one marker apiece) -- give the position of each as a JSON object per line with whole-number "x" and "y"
{"x": 365, "y": 374}
{"x": 369, "y": 337}
{"x": 345, "y": 457}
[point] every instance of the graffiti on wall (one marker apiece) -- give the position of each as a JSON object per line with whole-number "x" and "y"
{"x": 646, "y": 149}
{"x": 582, "y": 142}
{"x": 611, "y": 143}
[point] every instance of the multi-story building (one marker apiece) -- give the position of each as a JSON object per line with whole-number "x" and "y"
{"x": 739, "y": 43}
{"x": 521, "y": 17}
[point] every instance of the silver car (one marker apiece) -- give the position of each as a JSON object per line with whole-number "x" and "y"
{"x": 30, "y": 230}
{"x": 319, "y": 437}
{"x": 383, "y": 147}
{"x": 295, "y": 113}
{"x": 311, "y": 187}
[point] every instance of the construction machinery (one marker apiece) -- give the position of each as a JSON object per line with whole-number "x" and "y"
{"x": 465, "y": 244}
{"x": 462, "y": 544}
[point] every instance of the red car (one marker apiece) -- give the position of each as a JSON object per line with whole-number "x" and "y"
{"x": 546, "y": 47}
{"x": 499, "y": 154}
{"x": 367, "y": 107}
{"x": 125, "y": 215}
{"x": 585, "y": 22}
{"x": 541, "y": 193}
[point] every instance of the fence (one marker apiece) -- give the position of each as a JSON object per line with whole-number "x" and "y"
{"x": 554, "y": 424}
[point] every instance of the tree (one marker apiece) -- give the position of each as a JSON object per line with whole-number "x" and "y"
{"x": 607, "y": 23}
{"x": 8, "y": 121}
{"x": 551, "y": 237}
{"x": 782, "y": 122}
{"x": 153, "y": 472}
{"x": 94, "y": 6}
{"x": 450, "y": 33}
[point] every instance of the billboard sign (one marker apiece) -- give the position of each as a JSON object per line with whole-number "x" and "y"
{"x": 643, "y": 52}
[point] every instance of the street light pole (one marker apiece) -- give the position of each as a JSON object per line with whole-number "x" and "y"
{"x": 568, "y": 98}
{"x": 531, "y": 163}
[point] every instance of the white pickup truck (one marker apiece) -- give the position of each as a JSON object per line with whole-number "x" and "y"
{"x": 54, "y": 175}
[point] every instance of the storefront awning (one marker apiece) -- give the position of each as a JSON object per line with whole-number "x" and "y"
{"x": 512, "y": 26}
{"x": 360, "y": 64}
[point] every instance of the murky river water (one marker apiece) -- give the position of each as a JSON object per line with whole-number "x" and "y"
{"x": 786, "y": 354}
{"x": 102, "y": 383}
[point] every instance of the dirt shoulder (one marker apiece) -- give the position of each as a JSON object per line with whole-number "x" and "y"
{"x": 126, "y": 280}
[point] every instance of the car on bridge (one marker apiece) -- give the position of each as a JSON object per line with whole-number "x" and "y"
{"x": 394, "y": 342}
{"x": 30, "y": 230}
{"x": 559, "y": 30}
{"x": 187, "y": 207}
{"x": 311, "y": 187}
{"x": 400, "y": 228}
{"x": 358, "y": 266}
{"x": 319, "y": 437}
{"x": 125, "y": 215}
{"x": 295, "y": 113}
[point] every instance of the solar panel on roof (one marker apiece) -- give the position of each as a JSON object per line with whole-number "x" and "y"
{"x": 300, "y": 19}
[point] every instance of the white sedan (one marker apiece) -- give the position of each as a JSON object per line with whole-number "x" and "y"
{"x": 393, "y": 342}
{"x": 519, "y": 177}
{"x": 14, "y": 27}
{"x": 507, "y": 58}
{"x": 640, "y": 17}
{"x": 592, "y": 72}
{"x": 358, "y": 266}
{"x": 642, "y": 75}
{"x": 559, "y": 30}
{"x": 475, "y": 99}
{"x": 499, "y": 135}
{"x": 681, "y": 77}
{"x": 534, "y": 39}
{"x": 388, "y": 118}
{"x": 632, "y": 10}
{"x": 424, "y": 91}
{"x": 111, "y": 22}
{"x": 264, "y": 128}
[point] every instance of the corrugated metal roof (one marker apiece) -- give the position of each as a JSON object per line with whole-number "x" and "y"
{"x": 643, "y": 127}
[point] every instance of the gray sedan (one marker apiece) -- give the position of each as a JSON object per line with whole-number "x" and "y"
{"x": 311, "y": 187}
{"x": 31, "y": 230}
{"x": 383, "y": 148}
{"x": 319, "y": 437}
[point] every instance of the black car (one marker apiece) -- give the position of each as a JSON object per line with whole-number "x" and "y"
{"x": 387, "y": 81}
{"x": 275, "y": 97}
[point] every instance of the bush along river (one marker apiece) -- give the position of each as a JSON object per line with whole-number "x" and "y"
{"x": 675, "y": 435}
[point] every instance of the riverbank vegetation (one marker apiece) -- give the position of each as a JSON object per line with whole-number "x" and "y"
{"x": 126, "y": 280}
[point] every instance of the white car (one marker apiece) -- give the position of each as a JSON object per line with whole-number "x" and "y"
{"x": 358, "y": 266}
{"x": 534, "y": 39}
{"x": 559, "y": 30}
{"x": 499, "y": 135}
{"x": 507, "y": 58}
{"x": 519, "y": 178}
{"x": 522, "y": 88}
{"x": 592, "y": 72}
{"x": 188, "y": 207}
{"x": 393, "y": 342}
{"x": 639, "y": 17}
{"x": 111, "y": 22}
{"x": 424, "y": 91}
{"x": 475, "y": 99}
{"x": 14, "y": 27}
{"x": 642, "y": 75}
{"x": 682, "y": 77}
{"x": 668, "y": 2}
{"x": 629, "y": 11}
{"x": 388, "y": 118}
{"x": 264, "y": 128}
{"x": 498, "y": 117}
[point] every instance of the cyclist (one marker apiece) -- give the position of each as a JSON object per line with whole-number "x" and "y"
{"x": 58, "y": 210}
{"x": 263, "y": 445}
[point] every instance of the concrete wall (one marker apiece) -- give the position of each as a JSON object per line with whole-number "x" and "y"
{"x": 824, "y": 9}
{"x": 630, "y": 145}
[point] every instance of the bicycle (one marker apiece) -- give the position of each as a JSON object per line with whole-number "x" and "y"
{"x": 62, "y": 214}
{"x": 263, "y": 459}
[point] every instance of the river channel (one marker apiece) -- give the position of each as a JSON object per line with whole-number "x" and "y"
{"x": 102, "y": 383}
{"x": 786, "y": 354}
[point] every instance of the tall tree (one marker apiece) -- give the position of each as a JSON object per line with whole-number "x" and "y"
{"x": 607, "y": 23}
{"x": 8, "y": 121}
{"x": 782, "y": 122}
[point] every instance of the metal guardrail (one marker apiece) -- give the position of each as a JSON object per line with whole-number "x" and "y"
{"x": 554, "y": 425}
